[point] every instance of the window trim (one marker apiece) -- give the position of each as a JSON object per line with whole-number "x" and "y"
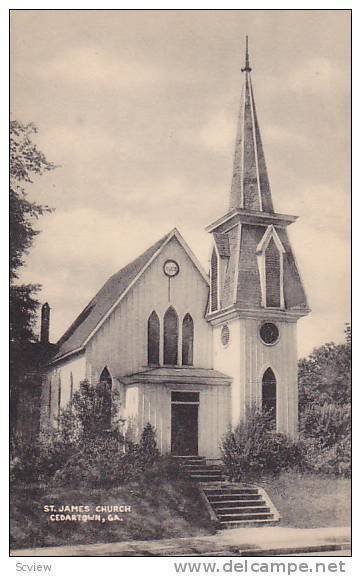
{"x": 266, "y": 321}
{"x": 188, "y": 315}
{"x": 155, "y": 315}
{"x": 214, "y": 251}
{"x": 177, "y": 334}
{"x": 268, "y": 367}
{"x": 270, "y": 234}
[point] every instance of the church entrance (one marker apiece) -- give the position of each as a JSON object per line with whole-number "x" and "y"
{"x": 184, "y": 423}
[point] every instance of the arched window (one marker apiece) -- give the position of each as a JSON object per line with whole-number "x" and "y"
{"x": 105, "y": 384}
{"x": 269, "y": 397}
{"x": 153, "y": 338}
{"x": 170, "y": 347}
{"x": 273, "y": 275}
{"x": 214, "y": 281}
{"x": 71, "y": 386}
{"x": 49, "y": 399}
{"x": 187, "y": 340}
{"x": 59, "y": 397}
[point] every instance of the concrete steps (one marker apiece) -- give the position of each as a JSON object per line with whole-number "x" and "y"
{"x": 197, "y": 468}
{"x": 238, "y": 505}
{"x": 229, "y": 505}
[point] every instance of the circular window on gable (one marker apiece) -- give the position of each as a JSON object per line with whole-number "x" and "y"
{"x": 269, "y": 333}
{"x": 225, "y": 335}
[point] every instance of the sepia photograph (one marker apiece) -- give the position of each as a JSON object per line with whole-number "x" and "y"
{"x": 180, "y": 307}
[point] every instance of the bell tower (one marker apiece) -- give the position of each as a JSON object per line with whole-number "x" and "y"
{"x": 256, "y": 294}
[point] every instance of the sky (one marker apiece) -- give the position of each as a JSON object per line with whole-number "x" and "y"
{"x": 138, "y": 110}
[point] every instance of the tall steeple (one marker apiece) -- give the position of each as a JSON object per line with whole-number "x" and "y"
{"x": 251, "y": 245}
{"x": 250, "y": 188}
{"x": 256, "y": 291}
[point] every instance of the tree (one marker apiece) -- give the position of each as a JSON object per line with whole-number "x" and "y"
{"x": 26, "y": 161}
{"x": 325, "y": 376}
{"x": 325, "y": 407}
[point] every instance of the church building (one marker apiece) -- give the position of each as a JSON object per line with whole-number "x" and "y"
{"x": 188, "y": 350}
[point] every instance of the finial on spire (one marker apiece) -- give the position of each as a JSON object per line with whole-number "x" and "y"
{"x": 247, "y": 67}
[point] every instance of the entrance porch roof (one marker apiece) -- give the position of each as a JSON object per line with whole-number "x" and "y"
{"x": 181, "y": 374}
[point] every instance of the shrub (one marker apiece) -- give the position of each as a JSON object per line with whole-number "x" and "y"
{"x": 86, "y": 448}
{"x": 253, "y": 449}
{"x": 102, "y": 463}
{"x": 164, "y": 468}
{"x": 326, "y": 433}
{"x": 148, "y": 445}
{"x": 107, "y": 461}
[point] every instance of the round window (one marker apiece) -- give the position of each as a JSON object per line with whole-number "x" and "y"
{"x": 225, "y": 335}
{"x": 269, "y": 333}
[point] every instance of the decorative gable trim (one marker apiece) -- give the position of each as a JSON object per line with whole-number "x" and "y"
{"x": 214, "y": 251}
{"x": 270, "y": 233}
{"x": 173, "y": 234}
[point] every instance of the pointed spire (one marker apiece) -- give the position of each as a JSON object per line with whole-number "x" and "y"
{"x": 250, "y": 188}
{"x": 247, "y": 67}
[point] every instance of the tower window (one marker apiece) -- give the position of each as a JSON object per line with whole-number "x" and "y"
{"x": 270, "y": 253}
{"x": 269, "y": 397}
{"x": 269, "y": 333}
{"x": 187, "y": 340}
{"x": 170, "y": 345}
{"x": 214, "y": 281}
{"x": 273, "y": 275}
{"x": 225, "y": 335}
{"x": 153, "y": 338}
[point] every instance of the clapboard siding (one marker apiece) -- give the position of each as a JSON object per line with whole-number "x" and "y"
{"x": 213, "y": 416}
{"x": 121, "y": 343}
{"x": 60, "y": 376}
{"x": 246, "y": 358}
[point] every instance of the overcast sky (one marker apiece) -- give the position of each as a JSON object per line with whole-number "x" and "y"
{"x": 139, "y": 110}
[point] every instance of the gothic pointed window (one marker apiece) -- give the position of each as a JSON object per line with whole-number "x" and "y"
{"x": 214, "y": 281}
{"x": 269, "y": 396}
{"x": 273, "y": 275}
{"x": 49, "y": 399}
{"x": 105, "y": 384}
{"x": 59, "y": 397}
{"x": 71, "y": 386}
{"x": 153, "y": 339}
{"x": 170, "y": 345}
{"x": 187, "y": 340}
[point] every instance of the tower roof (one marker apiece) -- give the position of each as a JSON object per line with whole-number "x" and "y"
{"x": 250, "y": 188}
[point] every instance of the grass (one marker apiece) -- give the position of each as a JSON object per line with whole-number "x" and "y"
{"x": 166, "y": 509}
{"x": 309, "y": 500}
{"x": 169, "y": 509}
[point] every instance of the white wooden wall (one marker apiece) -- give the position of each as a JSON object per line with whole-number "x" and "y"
{"x": 154, "y": 405}
{"x": 246, "y": 358}
{"x": 60, "y": 375}
{"x": 121, "y": 343}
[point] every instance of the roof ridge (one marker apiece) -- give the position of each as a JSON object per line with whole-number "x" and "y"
{"x": 82, "y": 316}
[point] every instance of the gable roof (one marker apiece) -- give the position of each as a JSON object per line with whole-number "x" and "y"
{"x": 93, "y": 315}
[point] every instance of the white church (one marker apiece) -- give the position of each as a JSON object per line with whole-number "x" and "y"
{"x": 188, "y": 350}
